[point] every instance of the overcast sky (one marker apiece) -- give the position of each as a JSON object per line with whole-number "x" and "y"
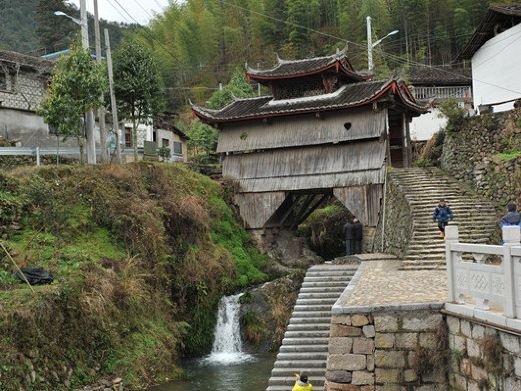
{"x": 141, "y": 10}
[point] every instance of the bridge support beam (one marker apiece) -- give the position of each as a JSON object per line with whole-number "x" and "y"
{"x": 257, "y": 208}
{"x": 362, "y": 201}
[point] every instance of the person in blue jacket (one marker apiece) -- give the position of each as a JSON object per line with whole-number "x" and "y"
{"x": 512, "y": 217}
{"x": 442, "y": 214}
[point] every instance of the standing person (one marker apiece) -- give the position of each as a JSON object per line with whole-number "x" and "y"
{"x": 442, "y": 214}
{"x": 348, "y": 236}
{"x": 512, "y": 217}
{"x": 302, "y": 383}
{"x": 358, "y": 235}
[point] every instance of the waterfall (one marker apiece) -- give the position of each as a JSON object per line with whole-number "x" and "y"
{"x": 227, "y": 346}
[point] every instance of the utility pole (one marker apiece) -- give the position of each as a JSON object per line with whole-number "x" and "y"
{"x": 115, "y": 122}
{"x": 369, "y": 45}
{"x": 91, "y": 143}
{"x": 101, "y": 110}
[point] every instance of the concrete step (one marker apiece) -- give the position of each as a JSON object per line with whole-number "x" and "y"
{"x": 283, "y": 365}
{"x": 302, "y": 341}
{"x": 290, "y": 387}
{"x": 328, "y": 301}
{"x": 308, "y": 326}
{"x": 325, "y": 273}
{"x": 322, "y": 289}
{"x": 303, "y": 348}
{"x": 318, "y": 295}
{"x": 307, "y": 334}
{"x": 323, "y": 319}
{"x": 302, "y": 356}
{"x": 324, "y": 284}
{"x": 313, "y": 307}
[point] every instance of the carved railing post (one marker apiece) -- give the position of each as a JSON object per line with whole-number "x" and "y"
{"x": 451, "y": 237}
{"x": 511, "y": 238}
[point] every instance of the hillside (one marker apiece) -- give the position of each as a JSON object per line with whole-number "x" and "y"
{"x": 30, "y": 26}
{"x": 142, "y": 253}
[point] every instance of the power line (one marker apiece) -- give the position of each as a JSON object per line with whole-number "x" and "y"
{"x": 143, "y": 8}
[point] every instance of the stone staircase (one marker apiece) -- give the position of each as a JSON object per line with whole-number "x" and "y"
{"x": 475, "y": 217}
{"x": 305, "y": 344}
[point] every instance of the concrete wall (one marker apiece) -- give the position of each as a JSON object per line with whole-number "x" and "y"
{"x": 483, "y": 357}
{"x": 423, "y": 127}
{"x": 387, "y": 351}
{"x": 495, "y": 70}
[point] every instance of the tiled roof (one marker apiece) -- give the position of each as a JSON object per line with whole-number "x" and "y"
{"x": 295, "y": 68}
{"x": 439, "y": 76}
{"x": 503, "y": 15}
{"x": 349, "y": 95}
{"x": 36, "y": 63}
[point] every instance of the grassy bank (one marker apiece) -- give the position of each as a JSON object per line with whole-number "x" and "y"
{"x": 142, "y": 253}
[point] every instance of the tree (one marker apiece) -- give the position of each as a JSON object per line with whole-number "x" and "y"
{"x": 137, "y": 85}
{"x": 77, "y": 85}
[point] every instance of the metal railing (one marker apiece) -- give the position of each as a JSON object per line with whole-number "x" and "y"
{"x": 462, "y": 93}
{"x": 485, "y": 280}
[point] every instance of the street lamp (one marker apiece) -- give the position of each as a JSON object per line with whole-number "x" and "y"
{"x": 371, "y": 45}
{"x": 91, "y": 144}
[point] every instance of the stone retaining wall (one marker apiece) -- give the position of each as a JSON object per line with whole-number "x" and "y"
{"x": 398, "y": 222}
{"x": 475, "y": 153}
{"x": 384, "y": 351}
{"x": 483, "y": 357}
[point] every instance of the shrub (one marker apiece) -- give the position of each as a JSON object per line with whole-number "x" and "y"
{"x": 432, "y": 151}
{"x": 455, "y": 114}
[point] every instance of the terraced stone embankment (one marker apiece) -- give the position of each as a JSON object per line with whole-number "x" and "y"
{"x": 305, "y": 344}
{"x": 475, "y": 216}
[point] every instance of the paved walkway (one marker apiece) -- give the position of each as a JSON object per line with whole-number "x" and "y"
{"x": 382, "y": 283}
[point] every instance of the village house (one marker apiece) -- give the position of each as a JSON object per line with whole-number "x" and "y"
{"x": 495, "y": 52}
{"x": 325, "y": 130}
{"x": 166, "y": 134}
{"x": 23, "y": 84}
{"x": 433, "y": 86}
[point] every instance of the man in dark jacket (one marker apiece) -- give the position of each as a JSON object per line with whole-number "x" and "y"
{"x": 348, "y": 236}
{"x": 358, "y": 235}
{"x": 442, "y": 214}
{"x": 512, "y": 217}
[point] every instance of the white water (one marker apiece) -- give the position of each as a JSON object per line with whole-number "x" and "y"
{"x": 227, "y": 346}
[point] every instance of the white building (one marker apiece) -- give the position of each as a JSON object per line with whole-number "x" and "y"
{"x": 433, "y": 85}
{"x": 495, "y": 52}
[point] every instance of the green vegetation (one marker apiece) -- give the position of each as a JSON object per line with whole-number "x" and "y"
{"x": 142, "y": 254}
{"x": 324, "y": 230}
{"x": 431, "y": 153}
{"x": 199, "y": 43}
{"x": 509, "y": 155}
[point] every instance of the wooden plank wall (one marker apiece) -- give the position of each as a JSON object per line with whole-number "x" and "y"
{"x": 320, "y": 167}
{"x": 302, "y": 130}
{"x": 363, "y": 201}
{"x": 257, "y": 208}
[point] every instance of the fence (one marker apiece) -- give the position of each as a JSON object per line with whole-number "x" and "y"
{"x": 485, "y": 280}
{"x": 38, "y": 152}
{"x": 443, "y": 93}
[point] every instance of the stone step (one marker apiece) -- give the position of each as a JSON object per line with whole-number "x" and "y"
{"x": 303, "y": 348}
{"x": 325, "y": 267}
{"x": 290, "y": 381}
{"x": 322, "y": 273}
{"x": 302, "y": 356}
{"x": 325, "y": 301}
{"x": 319, "y": 365}
{"x": 342, "y": 279}
{"x": 324, "y": 284}
{"x": 318, "y": 295}
{"x": 308, "y": 326}
{"x": 307, "y": 334}
{"x": 323, "y": 289}
{"x": 313, "y": 307}
{"x": 324, "y": 319}
{"x": 302, "y": 341}
{"x": 291, "y": 370}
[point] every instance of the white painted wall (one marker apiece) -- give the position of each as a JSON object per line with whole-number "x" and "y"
{"x": 496, "y": 65}
{"x": 422, "y": 128}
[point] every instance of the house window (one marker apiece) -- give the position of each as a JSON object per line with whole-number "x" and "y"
{"x": 128, "y": 136}
{"x": 178, "y": 148}
{"x": 165, "y": 142}
{"x": 154, "y": 136}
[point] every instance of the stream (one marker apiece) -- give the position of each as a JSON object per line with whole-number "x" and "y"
{"x": 227, "y": 367}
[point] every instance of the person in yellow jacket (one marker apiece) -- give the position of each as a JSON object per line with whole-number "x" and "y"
{"x": 302, "y": 383}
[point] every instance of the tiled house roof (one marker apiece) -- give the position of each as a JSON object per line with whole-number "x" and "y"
{"x": 25, "y": 61}
{"x": 502, "y": 15}
{"x": 439, "y": 76}
{"x": 298, "y": 68}
{"x": 349, "y": 95}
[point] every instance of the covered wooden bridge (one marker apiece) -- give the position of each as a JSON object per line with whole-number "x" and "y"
{"x": 325, "y": 131}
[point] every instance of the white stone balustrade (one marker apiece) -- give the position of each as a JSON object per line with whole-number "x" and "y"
{"x": 487, "y": 290}
{"x": 443, "y": 93}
